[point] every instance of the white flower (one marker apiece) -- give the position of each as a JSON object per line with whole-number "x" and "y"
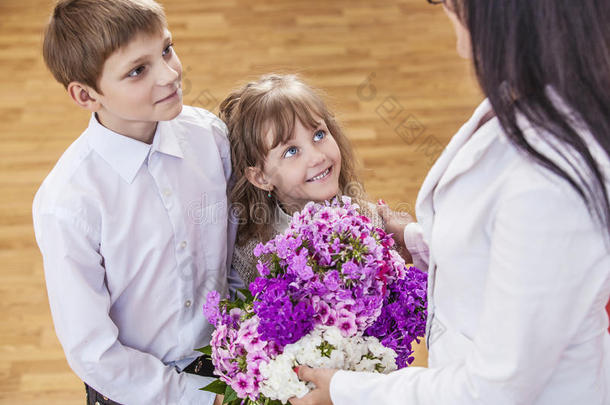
{"x": 324, "y": 347}
{"x": 333, "y": 336}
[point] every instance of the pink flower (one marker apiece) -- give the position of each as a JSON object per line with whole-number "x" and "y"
{"x": 332, "y": 318}
{"x": 243, "y": 384}
{"x": 219, "y": 335}
{"x": 347, "y": 323}
{"x": 322, "y": 310}
{"x": 254, "y": 344}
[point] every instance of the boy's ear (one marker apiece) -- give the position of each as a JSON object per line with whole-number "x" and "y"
{"x": 84, "y": 96}
{"x": 258, "y": 178}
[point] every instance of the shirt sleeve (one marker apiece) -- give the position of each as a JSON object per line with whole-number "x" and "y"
{"x": 546, "y": 272}
{"x": 80, "y": 305}
{"x": 417, "y": 246}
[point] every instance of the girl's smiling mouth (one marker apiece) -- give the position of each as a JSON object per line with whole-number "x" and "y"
{"x": 322, "y": 175}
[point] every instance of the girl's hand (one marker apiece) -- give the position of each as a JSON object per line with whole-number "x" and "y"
{"x": 218, "y": 400}
{"x": 395, "y": 223}
{"x": 321, "y": 378}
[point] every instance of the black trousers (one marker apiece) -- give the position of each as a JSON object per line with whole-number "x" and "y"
{"x": 201, "y": 366}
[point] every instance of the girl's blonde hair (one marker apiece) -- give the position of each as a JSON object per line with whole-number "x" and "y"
{"x": 273, "y": 103}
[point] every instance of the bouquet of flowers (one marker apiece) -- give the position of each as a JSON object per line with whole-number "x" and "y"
{"x": 332, "y": 293}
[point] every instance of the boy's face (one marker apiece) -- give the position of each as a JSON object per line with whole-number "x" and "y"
{"x": 140, "y": 85}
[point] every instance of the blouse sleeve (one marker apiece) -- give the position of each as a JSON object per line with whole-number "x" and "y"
{"x": 417, "y": 246}
{"x": 547, "y": 274}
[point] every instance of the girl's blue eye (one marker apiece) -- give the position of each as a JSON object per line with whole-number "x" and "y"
{"x": 136, "y": 72}
{"x": 290, "y": 152}
{"x": 168, "y": 50}
{"x": 319, "y": 135}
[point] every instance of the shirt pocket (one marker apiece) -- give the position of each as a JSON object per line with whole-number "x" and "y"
{"x": 447, "y": 345}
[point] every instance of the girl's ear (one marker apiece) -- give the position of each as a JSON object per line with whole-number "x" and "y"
{"x": 84, "y": 96}
{"x": 258, "y": 178}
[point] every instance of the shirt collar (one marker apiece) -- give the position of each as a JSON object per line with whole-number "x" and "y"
{"x": 166, "y": 141}
{"x": 126, "y": 155}
{"x": 282, "y": 220}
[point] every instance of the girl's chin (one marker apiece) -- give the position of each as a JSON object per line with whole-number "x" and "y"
{"x": 327, "y": 196}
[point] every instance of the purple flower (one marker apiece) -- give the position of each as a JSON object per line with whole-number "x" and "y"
{"x": 298, "y": 265}
{"x": 332, "y": 280}
{"x": 330, "y": 267}
{"x": 259, "y": 250}
{"x": 351, "y": 270}
{"x": 210, "y": 307}
{"x": 403, "y": 315}
{"x": 263, "y": 268}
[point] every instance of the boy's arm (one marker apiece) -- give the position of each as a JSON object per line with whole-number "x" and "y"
{"x": 221, "y": 137}
{"x": 80, "y": 305}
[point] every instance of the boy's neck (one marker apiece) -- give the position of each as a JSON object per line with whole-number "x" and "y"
{"x": 139, "y": 130}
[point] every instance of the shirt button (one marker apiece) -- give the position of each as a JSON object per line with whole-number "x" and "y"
{"x": 167, "y": 192}
{"x": 187, "y": 303}
{"x": 183, "y": 244}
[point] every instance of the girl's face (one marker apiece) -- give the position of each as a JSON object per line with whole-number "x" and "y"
{"x": 304, "y": 169}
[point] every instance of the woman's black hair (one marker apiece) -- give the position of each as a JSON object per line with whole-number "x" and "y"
{"x": 523, "y": 48}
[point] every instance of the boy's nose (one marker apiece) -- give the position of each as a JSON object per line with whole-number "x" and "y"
{"x": 169, "y": 74}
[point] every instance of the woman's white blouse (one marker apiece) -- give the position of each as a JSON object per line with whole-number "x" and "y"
{"x": 519, "y": 275}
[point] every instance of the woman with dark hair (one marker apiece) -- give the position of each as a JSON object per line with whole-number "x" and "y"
{"x": 516, "y": 217}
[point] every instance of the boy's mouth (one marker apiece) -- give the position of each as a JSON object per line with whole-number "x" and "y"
{"x": 169, "y": 97}
{"x": 321, "y": 175}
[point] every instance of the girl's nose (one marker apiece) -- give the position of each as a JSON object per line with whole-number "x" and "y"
{"x": 316, "y": 158}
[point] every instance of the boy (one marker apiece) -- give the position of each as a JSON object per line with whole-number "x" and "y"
{"x": 132, "y": 220}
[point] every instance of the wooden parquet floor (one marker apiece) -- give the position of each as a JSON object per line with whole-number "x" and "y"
{"x": 388, "y": 68}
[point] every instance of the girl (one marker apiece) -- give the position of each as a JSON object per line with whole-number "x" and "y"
{"x": 517, "y": 216}
{"x": 287, "y": 149}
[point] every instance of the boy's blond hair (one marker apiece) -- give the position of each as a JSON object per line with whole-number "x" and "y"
{"x": 82, "y": 34}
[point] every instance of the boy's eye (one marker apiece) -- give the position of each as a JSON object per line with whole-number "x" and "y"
{"x": 290, "y": 152}
{"x": 168, "y": 50}
{"x": 136, "y": 72}
{"x": 319, "y": 135}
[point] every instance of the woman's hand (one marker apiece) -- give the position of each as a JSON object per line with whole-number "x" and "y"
{"x": 395, "y": 223}
{"x": 321, "y": 378}
{"x": 218, "y": 400}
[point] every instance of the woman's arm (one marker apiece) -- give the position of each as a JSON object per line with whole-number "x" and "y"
{"x": 547, "y": 267}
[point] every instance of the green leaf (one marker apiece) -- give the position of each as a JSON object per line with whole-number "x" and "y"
{"x": 206, "y": 350}
{"x": 216, "y": 386}
{"x": 246, "y": 293}
{"x": 230, "y": 395}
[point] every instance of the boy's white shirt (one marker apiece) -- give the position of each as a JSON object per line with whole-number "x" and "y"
{"x": 133, "y": 237}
